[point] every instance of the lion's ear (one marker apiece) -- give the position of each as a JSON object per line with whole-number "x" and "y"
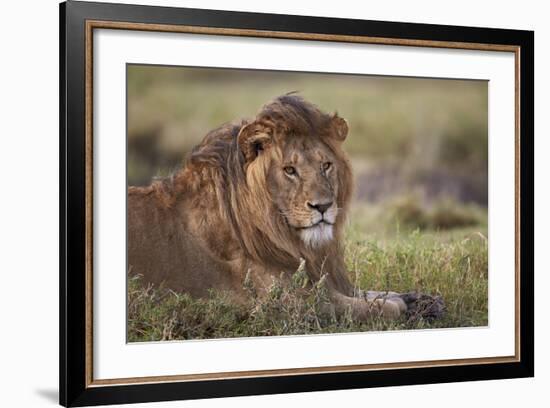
{"x": 339, "y": 128}
{"x": 252, "y": 140}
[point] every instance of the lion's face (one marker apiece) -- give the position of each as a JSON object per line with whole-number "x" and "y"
{"x": 293, "y": 152}
{"x": 303, "y": 184}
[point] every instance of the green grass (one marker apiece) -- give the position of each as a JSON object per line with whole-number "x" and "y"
{"x": 379, "y": 256}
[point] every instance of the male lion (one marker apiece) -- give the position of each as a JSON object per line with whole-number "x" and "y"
{"x": 254, "y": 198}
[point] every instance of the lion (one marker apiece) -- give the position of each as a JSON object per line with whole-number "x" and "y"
{"x": 253, "y": 200}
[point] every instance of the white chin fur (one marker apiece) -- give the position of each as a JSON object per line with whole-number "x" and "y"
{"x": 317, "y": 236}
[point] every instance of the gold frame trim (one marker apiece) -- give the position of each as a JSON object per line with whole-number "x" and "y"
{"x": 98, "y": 24}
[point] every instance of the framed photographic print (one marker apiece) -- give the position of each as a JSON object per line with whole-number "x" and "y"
{"x": 255, "y": 203}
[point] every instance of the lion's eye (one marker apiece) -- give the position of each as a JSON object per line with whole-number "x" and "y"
{"x": 327, "y": 165}
{"x": 289, "y": 170}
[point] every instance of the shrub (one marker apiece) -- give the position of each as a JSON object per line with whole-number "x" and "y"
{"x": 444, "y": 213}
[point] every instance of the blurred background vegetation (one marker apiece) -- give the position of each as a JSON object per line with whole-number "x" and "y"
{"x": 419, "y": 150}
{"x": 425, "y": 138}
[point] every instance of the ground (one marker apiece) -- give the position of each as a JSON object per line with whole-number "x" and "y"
{"x": 383, "y": 252}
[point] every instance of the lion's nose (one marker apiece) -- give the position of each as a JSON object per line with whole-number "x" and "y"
{"x": 321, "y": 207}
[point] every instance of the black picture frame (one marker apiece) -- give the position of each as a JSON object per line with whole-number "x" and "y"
{"x": 75, "y": 389}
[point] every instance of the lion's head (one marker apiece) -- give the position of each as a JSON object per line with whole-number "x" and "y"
{"x": 282, "y": 179}
{"x": 294, "y": 149}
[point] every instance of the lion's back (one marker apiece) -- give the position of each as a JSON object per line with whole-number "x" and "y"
{"x": 161, "y": 250}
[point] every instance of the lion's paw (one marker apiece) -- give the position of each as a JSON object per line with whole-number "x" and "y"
{"x": 420, "y": 305}
{"x": 390, "y": 308}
